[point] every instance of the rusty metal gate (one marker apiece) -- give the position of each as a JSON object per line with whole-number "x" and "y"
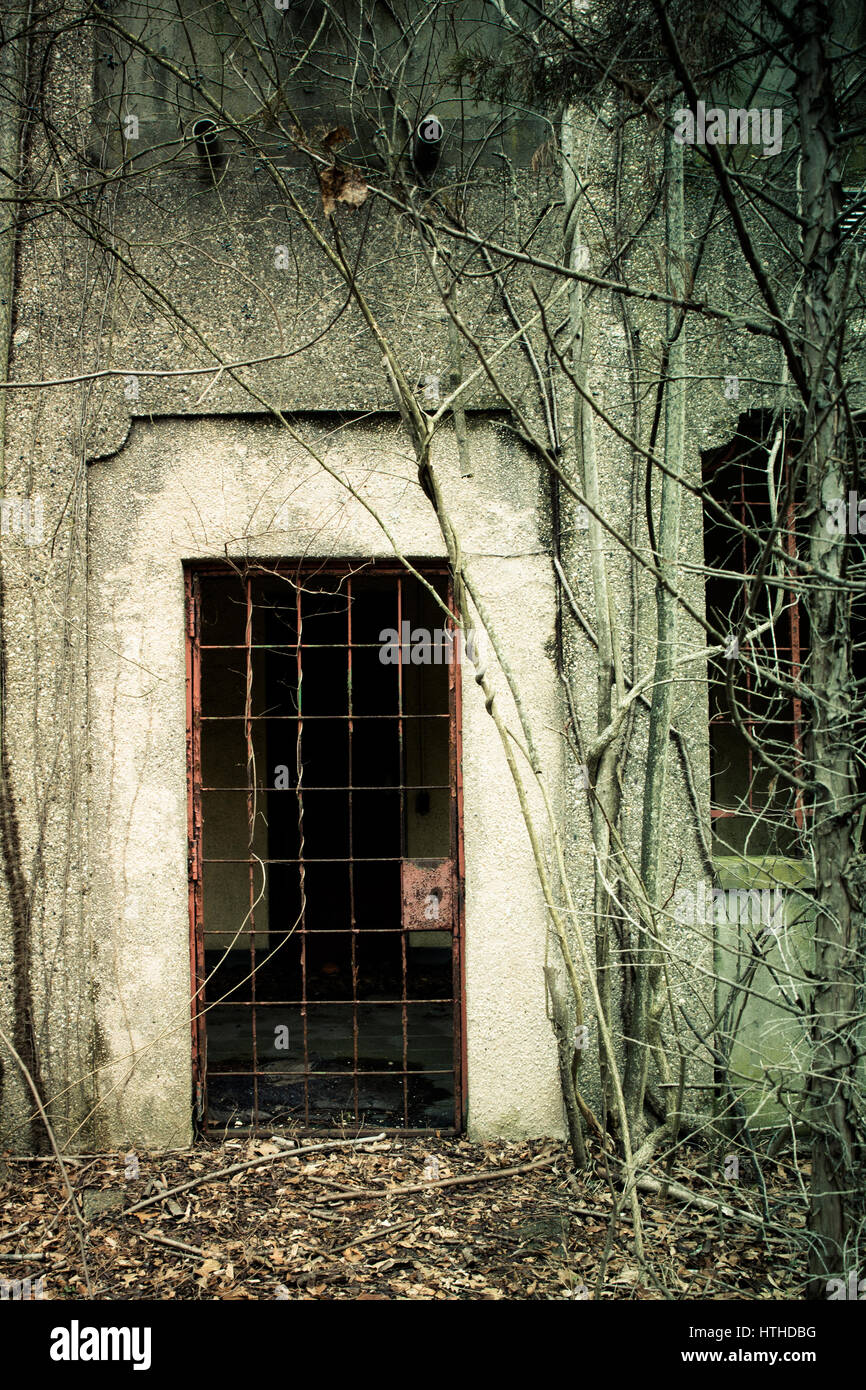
{"x": 325, "y": 847}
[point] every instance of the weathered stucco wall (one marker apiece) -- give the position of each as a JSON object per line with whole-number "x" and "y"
{"x": 193, "y": 489}
{"x": 173, "y": 470}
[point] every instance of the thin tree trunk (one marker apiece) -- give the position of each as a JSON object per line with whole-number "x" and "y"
{"x": 605, "y": 791}
{"x": 643, "y": 1023}
{"x": 838, "y": 887}
{"x": 13, "y": 68}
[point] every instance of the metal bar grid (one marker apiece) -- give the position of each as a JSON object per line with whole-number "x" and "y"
{"x": 367, "y": 723}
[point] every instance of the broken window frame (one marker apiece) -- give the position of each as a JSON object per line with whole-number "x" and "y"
{"x": 740, "y": 507}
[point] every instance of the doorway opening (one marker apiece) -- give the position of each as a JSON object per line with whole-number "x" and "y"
{"x": 325, "y": 863}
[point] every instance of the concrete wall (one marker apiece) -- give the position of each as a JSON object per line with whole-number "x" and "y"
{"x": 181, "y": 468}
{"x": 765, "y": 952}
{"x": 195, "y": 489}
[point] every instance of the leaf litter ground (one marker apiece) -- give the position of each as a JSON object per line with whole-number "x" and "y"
{"x": 343, "y": 1224}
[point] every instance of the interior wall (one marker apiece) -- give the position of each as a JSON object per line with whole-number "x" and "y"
{"x": 230, "y": 907}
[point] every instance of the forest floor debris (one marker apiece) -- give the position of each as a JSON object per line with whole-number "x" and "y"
{"x": 385, "y": 1220}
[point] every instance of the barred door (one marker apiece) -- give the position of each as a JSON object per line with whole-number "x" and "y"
{"x": 325, "y": 857}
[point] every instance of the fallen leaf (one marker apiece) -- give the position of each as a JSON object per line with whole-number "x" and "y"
{"x": 341, "y": 185}
{"x": 338, "y": 136}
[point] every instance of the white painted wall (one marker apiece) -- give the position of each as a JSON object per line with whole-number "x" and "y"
{"x": 206, "y": 488}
